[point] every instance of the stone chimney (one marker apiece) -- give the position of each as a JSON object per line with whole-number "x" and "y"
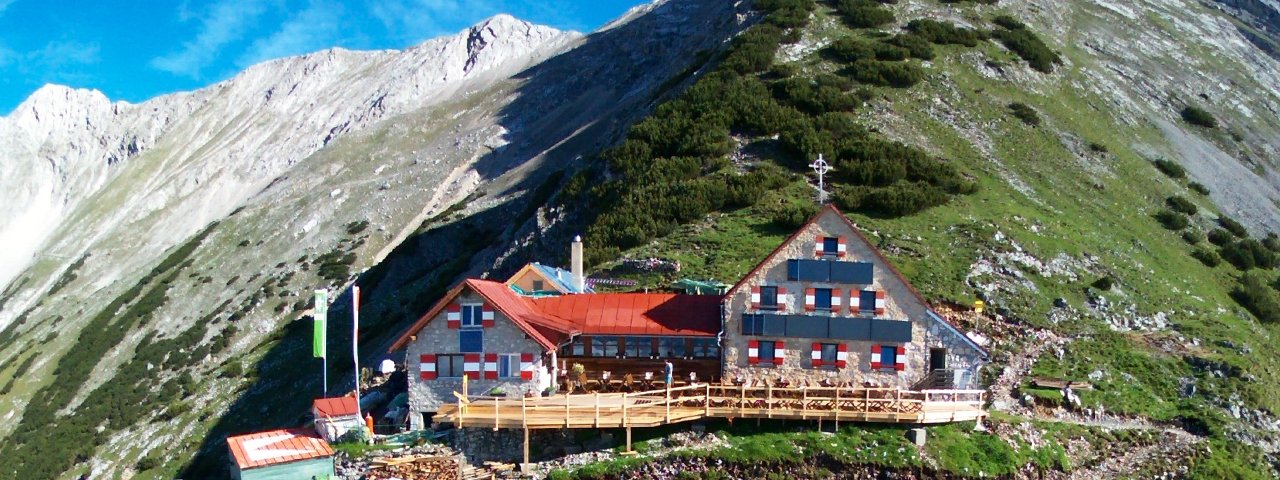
{"x": 575, "y": 264}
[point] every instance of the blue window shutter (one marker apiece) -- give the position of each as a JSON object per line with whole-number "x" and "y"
{"x": 793, "y": 270}
{"x": 471, "y": 341}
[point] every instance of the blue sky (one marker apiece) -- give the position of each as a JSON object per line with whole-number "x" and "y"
{"x": 136, "y": 49}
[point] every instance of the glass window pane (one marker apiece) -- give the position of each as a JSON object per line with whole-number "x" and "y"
{"x": 671, "y": 347}
{"x": 768, "y": 297}
{"x": 822, "y": 298}
{"x": 639, "y": 347}
{"x": 766, "y": 350}
{"x": 888, "y": 356}
{"x": 829, "y": 353}
{"x": 830, "y": 245}
{"x": 578, "y": 348}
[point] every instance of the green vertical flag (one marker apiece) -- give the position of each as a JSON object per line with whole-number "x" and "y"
{"x": 321, "y": 311}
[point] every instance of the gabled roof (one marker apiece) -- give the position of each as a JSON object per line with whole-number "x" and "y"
{"x": 547, "y": 331}
{"x": 274, "y": 447}
{"x": 557, "y": 279}
{"x": 879, "y": 255}
{"x": 335, "y": 407}
{"x": 637, "y": 313}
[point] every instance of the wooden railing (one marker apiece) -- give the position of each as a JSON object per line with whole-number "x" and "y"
{"x": 660, "y": 407}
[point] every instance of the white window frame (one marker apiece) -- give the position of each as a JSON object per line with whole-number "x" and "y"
{"x": 511, "y": 361}
{"x": 476, "y": 319}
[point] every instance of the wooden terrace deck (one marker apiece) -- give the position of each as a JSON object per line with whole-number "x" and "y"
{"x": 660, "y": 407}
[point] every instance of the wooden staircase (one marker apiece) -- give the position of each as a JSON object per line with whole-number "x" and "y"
{"x": 941, "y": 379}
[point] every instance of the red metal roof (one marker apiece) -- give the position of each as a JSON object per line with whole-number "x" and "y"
{"x": 636, "y": 313}
{"x": 277, "y": 446}
{"x": 335, "y": 407}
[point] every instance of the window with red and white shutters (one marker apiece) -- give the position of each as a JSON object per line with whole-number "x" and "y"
{"x": 427, "y": 367}
{"x": 899, "y": 354}
{"x": 765, "y": 352}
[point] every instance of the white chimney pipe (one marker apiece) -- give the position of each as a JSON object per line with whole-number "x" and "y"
{"x": 575, "y": 261}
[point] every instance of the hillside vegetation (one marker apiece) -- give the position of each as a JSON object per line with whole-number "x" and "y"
{"x": 1047, "y": 211}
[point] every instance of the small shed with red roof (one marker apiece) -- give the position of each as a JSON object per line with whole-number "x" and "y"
{"x": 334, "y": 417}
{"x": 280, "y": 454}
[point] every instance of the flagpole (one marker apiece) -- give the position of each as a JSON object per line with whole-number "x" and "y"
{"x": 355, "y": 334}
{"x": 320, "y": 336}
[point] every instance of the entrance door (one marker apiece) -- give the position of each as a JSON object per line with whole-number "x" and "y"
{"x": 937, "y": 359}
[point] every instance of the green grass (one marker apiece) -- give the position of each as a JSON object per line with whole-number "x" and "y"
{"x": 358, "y": 449}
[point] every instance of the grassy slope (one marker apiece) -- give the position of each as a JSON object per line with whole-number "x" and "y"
{"x": 1092, "y": 203}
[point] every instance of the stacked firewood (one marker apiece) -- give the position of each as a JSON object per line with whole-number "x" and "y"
{"x": 415, "y": 468}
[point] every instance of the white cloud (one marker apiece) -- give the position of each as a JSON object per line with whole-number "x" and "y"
{"x": 314, "y": 28}
{"x": 225, "y": 22}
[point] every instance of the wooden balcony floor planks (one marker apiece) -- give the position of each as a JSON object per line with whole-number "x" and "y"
{"x": 660, "y": 407}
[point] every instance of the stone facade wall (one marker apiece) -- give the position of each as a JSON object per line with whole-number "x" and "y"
{"x": 900, "y": 304}
{"x": 426, "y": 396}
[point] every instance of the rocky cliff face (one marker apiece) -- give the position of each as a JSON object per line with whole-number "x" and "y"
{"x": 226, "y": 142}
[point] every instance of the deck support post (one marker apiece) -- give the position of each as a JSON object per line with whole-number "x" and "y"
{"x": 837, "y": 408}
{"x": 597, "y": 423}
{"x": 629, "y": 450}
{"x": 804, "y": 404}
{"x": 526, "y": 445}
{"x": 668, "y": 403}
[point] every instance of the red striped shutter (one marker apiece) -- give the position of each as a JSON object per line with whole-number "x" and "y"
{"x": 755, "y": 298}
{"x": 875, "y": 357}
{"x": 855, "y": 301}
{"x": 779, "y": 353}
{"x": 490, "y": 366}
{"x": 427, "y": 366}
{"x": 783, "y": 300}
{"x": 454, "y": 316}
{"x": 817, "y": 354}
{"x": 842, "y": 355}
{"x": 836, "y": 303}
{"x": 818, "y": 246}
{"x": 753, "y": 352}
{"x": 486, "y": 313}
{"x": 900, "y": 359}
{"x": 471, "y": 365}
{"x": 840, "y": 247}
{"x": 810, "y": 295}
{"x": 880, "y": 301}
{"x": 526, "y": 366}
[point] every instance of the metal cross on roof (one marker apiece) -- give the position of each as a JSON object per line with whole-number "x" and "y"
{"x": 821, "y": 167}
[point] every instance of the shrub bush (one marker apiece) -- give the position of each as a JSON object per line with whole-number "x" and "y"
{"x": 1181, "y": 205}
{"x": 849, "y": 50}
{"x": 1170, "y": 168}
{"x": 1248, "y": 253}
{"x": 1255, "y": 295}
{"x": 1207, "y": 256}
{"x": 1272, "y": 242}
{"x": 887, "y": 74}
{"x": 944, "y": 32}
{"x": 916, "y": 45}
{"x": 1027, "y": 45}
{"x": 1025, "y": 113}
{"x": 1220, "y": 237}
{"x": 1233, "y": 226}
{"x": 1172, "y": 220}
{"x": 1104, "y": 283}
{"x": 863, "y": 13}
{"x": 1193, "y": 237}
{"x": 1198, "y": 188}
{"x": 1199, "y": 117}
